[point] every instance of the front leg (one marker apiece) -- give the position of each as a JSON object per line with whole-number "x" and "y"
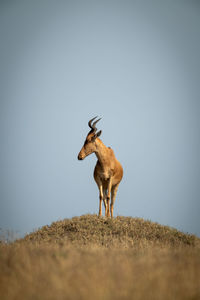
{"x": 100, "y": 199}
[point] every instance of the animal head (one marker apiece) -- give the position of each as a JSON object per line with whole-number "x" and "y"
{"x": 89, "y": 145}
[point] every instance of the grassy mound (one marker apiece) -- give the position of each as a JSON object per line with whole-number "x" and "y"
{"x": 119, "y": 231}
{"x": 98, "y": 258}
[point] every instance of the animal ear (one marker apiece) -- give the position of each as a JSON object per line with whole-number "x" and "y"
{"x": 96, "y": 135}
{"x": 99, "y": 133}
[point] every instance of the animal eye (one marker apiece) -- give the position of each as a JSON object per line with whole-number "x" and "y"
{"x": 93, "y": 138}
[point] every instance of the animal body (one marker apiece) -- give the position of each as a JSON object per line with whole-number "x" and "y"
{"x": 108, "y": 171}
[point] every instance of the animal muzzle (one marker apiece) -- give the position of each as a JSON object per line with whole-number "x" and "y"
{"x": 80, "y": 157}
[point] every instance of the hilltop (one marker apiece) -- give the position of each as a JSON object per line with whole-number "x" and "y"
{"x": 100, "y": 258}
{"x": 119, "y": 231}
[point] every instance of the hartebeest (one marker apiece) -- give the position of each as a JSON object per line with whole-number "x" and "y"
{"x": 108, "y": 171}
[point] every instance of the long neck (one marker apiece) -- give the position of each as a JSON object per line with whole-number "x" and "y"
{"x": 101, "y": 152}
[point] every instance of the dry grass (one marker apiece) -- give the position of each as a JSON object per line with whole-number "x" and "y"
{"x": 96, "y": 258}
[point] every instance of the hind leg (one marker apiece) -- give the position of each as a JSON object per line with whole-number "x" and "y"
{"x": 108, "y": 196}
{"x": 105, "y": 201}
{"x": 113, "y": 196}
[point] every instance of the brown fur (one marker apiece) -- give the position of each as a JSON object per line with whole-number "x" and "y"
{"x": 108, "y": 171}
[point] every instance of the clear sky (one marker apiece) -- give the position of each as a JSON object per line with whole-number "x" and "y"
{"x": 136, "y": 64}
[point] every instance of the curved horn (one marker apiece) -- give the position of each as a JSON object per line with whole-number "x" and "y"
{"x": 90, "y": 122}
{"x": 92, "y": 126}
{"x": 96, "y": 123}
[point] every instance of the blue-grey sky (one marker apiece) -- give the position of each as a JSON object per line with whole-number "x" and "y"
{"x": 136, "y": 64}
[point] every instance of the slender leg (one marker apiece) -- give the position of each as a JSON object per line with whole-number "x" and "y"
{"x": 108, "y": 197}
{"x": 100, "y": 199}
{"x": 105, "y": 201}
{"x": 108, "y": 207}
{"x": 113, "y": 196}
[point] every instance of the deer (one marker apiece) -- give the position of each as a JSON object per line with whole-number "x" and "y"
{"x": 108, "y": 171}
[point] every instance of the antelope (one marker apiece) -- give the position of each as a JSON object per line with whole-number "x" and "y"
{"x": 108, "y": 171}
